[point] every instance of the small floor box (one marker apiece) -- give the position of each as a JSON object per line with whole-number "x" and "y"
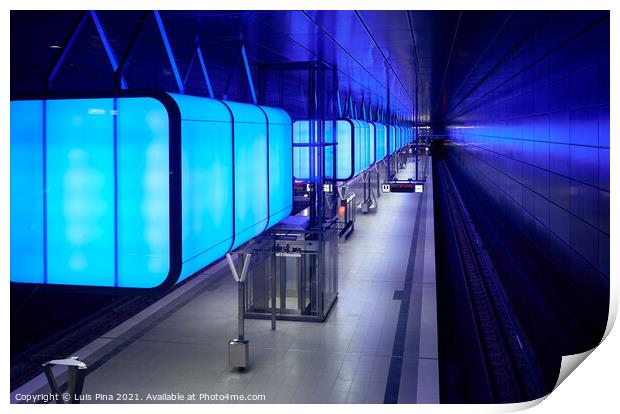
{"x": 238, "y": 353}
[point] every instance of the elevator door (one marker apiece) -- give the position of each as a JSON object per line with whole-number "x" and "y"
{"x": 297, "y": 287}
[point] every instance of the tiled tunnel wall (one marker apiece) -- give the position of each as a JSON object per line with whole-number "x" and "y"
{"x": 536, "y": 139}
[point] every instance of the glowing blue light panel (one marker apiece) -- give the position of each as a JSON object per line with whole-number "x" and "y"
{"x": 396, "y": 137}
{"x": 207, "y": 183}
{"x": 362, "y": 150}
{"x": 381, "y": 141}
{"x": 27, "y": 192}
{"x": 301, "y": 154}
{"x": 142, "y": 202}
{"x": 373, "y": 142}
{"x": 91, "y": 188}
{"x": 80, "y": 192}
{"x": 358, "y": 147}
{"x": 360, "y": 144}
{"x": 280, "y": 168}
{"x": 344, "y": 150}
{"x": 330, "y": 137}
{"x": 251, "y": 174}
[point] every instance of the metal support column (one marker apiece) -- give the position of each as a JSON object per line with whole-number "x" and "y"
{"x": 272, "y": 275}
{"x": 388, "y": 116}
{"x": 320, "y": 116}
{"x": 334, "y": 203}
{"x": 312, "y": 143}
{"x": 416, "y": 135}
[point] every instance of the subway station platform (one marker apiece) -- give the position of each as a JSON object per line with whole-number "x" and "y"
{"x": 379, "y": 344}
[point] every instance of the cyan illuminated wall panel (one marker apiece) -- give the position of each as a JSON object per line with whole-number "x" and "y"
{"x": 27, "y": 192}
{"x": 142, "y": 201}
{"x": 329, "y": 151}
{"x": 392, "y": 139}
{"x": 251, "y": 174}
{"x": 368, "y": 145}
{"x": 107, "y": 181}
{"x": 539, "y": 144}
{"x": 381, "y": 143}
{"x": 366, "y": 161}
{"x": 362, "y": 146}
{"x": 80, "y": 192}
{"x": 280, "y": 165}
{"x": 358, "y": 146}
{"x": 343, "y": 150}
{"x": 207, "y": 181}
{"x": 373, "y": 142}
{"x": 301, "y": 155}
{"x": 344, "y": 155}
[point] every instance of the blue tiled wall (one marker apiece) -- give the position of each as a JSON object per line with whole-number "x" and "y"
{"x": 536, "y": 139}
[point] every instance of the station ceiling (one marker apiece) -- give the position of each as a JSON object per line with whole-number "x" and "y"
{"x": 438, "y": 56}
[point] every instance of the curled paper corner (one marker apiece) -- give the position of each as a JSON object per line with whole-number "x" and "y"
{"x": 567, "y": 366}
{"x": 520, "y": 406}
{"x": 571, "y": 362}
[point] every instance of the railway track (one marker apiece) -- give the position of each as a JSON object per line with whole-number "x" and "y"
{"x": 506, "y": 365}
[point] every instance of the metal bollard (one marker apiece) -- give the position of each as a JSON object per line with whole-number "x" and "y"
{"x": 239, "y": 348}
{"x": 76, "y": 371}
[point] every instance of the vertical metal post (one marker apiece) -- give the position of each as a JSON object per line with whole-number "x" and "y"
{"x": 76, "y": 372}
{"x": 302, "y": 277}
{"x": 320, "y": 275}
{"x": 312, "y": 142}
{"x": 283, "y": 276}
{"x": 334, "y": 148}
{"x": 365, "y": 180}
{"x": 52, "y": 382}
{"x": 75, "y": 384}
{"x": 241, "y": 300}
{"x": 272, "y": 273}
{"x": 389, "y": 130}
{"x": 320, "y": 115}
{"x": 416, "y": 137}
